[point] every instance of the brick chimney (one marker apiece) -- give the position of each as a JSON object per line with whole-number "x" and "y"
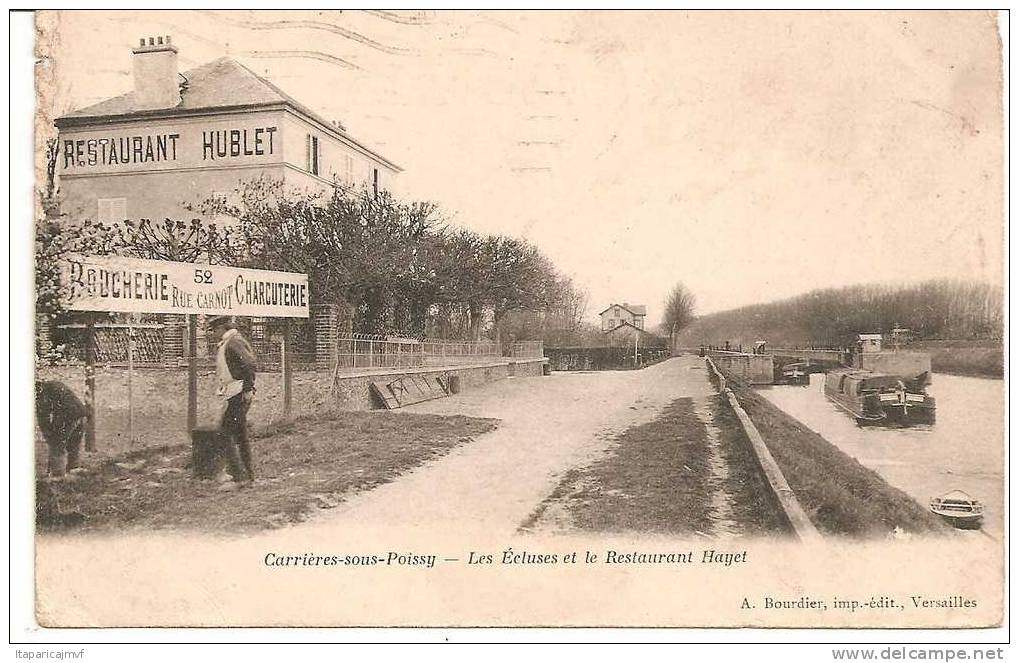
{"x": 155, "y": 74}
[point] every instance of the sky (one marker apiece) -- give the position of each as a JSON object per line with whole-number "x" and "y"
{"x": 751, "y": 156}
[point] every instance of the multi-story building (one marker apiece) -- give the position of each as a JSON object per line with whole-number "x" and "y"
{"x": 178, "y": 139}
{"x": 620, "y": 314}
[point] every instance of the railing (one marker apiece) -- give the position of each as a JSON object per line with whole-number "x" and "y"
{"x": 151, "y": 346}
{"x": 361, "y": 351}
{"x": 367, "y": 351}
{"x": 440, "y": 353}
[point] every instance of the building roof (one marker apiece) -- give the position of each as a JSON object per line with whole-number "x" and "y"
{"x": 624, "y": 323}
{"x": 218, "y": 85}
{"x": 642, "y": 333}
{"x": 635, "y": 309}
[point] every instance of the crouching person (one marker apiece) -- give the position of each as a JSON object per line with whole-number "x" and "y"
{"x": 61, "y": 417}
{"x": 235, "y": 375}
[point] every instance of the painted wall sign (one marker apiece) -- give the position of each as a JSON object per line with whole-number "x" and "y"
{"x": 237, "y": 142}
{"x": 114, "y": 150}
{"x": 131, "y": 285}
{"x": 240, "y": 141}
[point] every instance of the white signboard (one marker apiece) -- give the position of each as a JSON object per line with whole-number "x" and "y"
{"x": 112, "y": 283}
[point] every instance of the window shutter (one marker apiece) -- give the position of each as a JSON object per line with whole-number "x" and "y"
{"x": 308, "y": 150}
{"x": 111, "y": 209}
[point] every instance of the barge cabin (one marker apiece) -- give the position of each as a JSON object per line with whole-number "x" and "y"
{"x": 872, "y": 397}
{"x": 797, "y": 373}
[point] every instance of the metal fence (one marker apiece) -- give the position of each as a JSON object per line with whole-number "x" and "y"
{"x": 365, "y": 351}
{"x": 369, "y": 351}
{"x": 444, "y": 353}
{"x": 153, "y": 345}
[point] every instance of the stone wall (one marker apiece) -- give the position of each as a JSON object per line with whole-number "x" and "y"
{"x": 160, "y": 396}
{"x": 748, "y": 368}
{"x": 354, "y": 393}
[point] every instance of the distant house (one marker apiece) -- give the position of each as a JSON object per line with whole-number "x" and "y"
{"x": 620, "y": 314}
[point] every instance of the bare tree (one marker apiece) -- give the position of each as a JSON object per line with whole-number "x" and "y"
{"x": 679, "y": 310}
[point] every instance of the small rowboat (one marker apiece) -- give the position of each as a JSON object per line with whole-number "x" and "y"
{"x": 959, "y": 509}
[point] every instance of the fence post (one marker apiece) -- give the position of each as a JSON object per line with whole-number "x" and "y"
{"x": 286, "y": 369}
{"x": 336, "y": 347}
{"x": 192, "y": 372}
{"x": 90, "y": 384}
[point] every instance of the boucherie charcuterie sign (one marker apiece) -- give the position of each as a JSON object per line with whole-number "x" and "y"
{"x": 131, "y": 285}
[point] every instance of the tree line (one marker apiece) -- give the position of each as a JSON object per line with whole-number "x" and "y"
{"x": 935, "y": 309}
{"x": 398, "y": 267}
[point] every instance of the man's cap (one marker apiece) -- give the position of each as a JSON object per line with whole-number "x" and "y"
{"x": 219, "y": 320}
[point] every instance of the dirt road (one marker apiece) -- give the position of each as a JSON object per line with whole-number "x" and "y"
{"x": 549, "y": 425}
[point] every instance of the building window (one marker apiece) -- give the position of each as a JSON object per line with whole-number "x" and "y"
{"x": 348, "y": 169}
{"x": 112, "y": 209}
{"x": 313, "y": 154}
{"x": 375, "y": 181}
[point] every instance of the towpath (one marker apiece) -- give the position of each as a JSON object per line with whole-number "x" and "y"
{"x": 549, "y": 425}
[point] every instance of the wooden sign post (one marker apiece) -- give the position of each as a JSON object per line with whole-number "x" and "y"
{"x": 192, "y": 357}
{"x": 286, "y": 370}
{"x": 90, "y": 384}
{"x": 288, "y": 373}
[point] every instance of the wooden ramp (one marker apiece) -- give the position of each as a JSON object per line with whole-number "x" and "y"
{"x": 409, "y": 390}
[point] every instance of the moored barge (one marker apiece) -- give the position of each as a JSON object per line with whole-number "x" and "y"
{"x": 880, "y": 398}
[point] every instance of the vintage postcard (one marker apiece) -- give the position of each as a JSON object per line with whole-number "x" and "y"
{"x": 519, "y": 318}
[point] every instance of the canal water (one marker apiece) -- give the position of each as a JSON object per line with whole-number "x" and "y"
{"x": 962, "y": 450}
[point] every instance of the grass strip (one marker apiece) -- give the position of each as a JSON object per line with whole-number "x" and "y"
{"x": 656, "y": 478}
{"x": 301, "y": 466}
{"x": 841, "y": 496}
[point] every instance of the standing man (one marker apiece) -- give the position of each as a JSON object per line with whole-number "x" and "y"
{"x": 235, "y": 375}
